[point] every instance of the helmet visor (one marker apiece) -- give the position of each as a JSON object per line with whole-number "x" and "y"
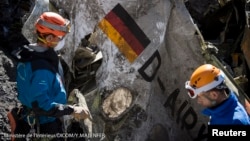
{"x": 190, "y": 90}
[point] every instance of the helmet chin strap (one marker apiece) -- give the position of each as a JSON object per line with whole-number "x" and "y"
{"x": 49, "y": 44}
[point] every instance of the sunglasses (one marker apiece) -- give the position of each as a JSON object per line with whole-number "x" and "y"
{"x": 192, "y": 92}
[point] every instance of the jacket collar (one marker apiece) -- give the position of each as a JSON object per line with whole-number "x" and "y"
{"x": 224, "y": 107}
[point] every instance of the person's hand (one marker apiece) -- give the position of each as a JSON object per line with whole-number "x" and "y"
{"x": 247, "y": 106}
{"x": 80, "y": 113}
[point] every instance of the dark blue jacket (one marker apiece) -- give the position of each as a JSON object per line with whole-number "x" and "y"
{"x": 230, "y": 112}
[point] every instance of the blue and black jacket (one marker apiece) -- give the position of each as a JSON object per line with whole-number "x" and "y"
{"x": 230, "y": 112}
{"x": 39, "y": 84}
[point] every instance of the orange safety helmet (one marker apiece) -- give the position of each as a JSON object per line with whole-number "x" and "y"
{"x": 52, "y": 23}
{"x": 204, "y": 78}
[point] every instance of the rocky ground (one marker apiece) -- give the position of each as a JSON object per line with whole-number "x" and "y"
{"x": 8, "y": 92}
{"x": 11, "y": 12}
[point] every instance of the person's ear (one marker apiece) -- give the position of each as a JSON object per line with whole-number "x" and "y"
{"x": 49, "y": 38}
{"x": 214, "y": 94}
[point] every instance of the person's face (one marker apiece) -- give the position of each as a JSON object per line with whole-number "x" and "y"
{"x": 53, "y": 40}
{"x": 206, "y": 99}
{"x": 60, "y": 45}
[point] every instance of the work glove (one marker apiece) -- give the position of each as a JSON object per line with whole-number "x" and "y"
{"x": 80, "y": 113}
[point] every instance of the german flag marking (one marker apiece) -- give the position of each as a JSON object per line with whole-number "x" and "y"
{"x": 118, "y": 40}
{"x": 124, "y": 32}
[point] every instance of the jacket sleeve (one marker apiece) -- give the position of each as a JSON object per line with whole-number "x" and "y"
{"x": 57, "y": 111}
{"x": 47, "y": 95}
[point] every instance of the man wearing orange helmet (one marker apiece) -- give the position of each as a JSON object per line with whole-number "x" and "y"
{"x": 207, "y": 85}
{"x": 40, "y": 80}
